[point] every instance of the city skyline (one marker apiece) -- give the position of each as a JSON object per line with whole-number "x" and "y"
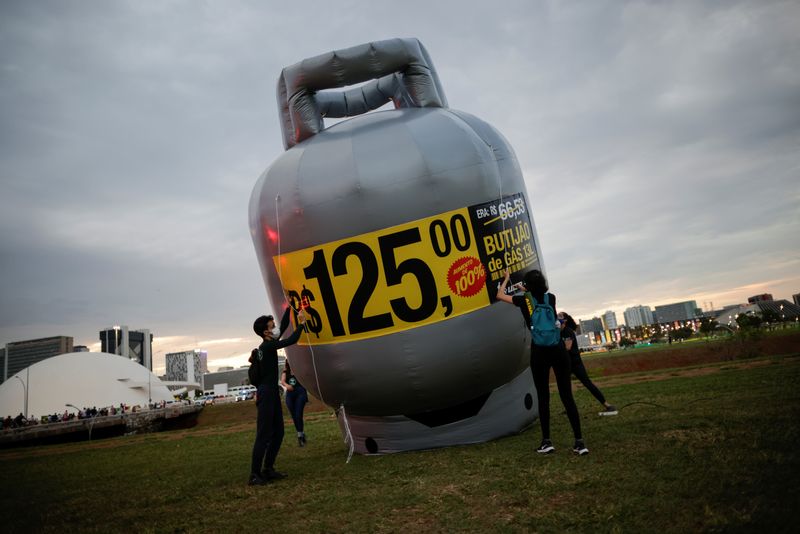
{"x": 658, "y": 143}
{"x": 162, "y": 345}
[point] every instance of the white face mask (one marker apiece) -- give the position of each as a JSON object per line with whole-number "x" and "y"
{"x": 276, "y": 332}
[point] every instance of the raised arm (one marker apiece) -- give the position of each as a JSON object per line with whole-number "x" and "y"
{"x": 291, "y": 340}
{"x": 501, "y": 291}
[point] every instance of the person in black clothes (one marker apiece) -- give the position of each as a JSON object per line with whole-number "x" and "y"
{"x": 296, "y": 400}
{"x": 568, "y": 328}
{"x": 542, "y": 359}
{"x": 263, "y": 374}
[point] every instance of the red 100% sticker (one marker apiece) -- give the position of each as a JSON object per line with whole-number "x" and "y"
{"x": 466, "y": 276}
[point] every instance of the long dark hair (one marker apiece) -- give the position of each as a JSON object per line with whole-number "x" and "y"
{"x": 535, "y": 282}
{"x": 569, "y": 322}
{"x": 286, "y": 367}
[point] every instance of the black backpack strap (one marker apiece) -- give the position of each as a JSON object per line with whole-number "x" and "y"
{"x": 254, "y": 372}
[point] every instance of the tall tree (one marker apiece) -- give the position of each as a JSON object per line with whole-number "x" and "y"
{"x": 748, "y": 321}
{"x": 770, "y": 316}
{"x": 708, "y": 326}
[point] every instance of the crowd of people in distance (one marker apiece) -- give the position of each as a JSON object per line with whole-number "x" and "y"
{"x": 16, "y": 422}
{"x": 21, "y": 421}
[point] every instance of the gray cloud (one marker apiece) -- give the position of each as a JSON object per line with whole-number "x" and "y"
{"x": 659, "y": 144}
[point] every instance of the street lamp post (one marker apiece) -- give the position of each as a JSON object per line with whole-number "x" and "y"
{"x": 91, "y": 423}
{"x": 25, "y": 392}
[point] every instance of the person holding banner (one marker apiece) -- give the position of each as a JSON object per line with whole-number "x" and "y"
{"x": 546, "y": 355}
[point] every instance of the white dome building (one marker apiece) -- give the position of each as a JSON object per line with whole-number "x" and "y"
{"x": 82, "y": 379}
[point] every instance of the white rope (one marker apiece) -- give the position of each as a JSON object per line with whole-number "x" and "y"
{"x": 500, "y": 196}
{"x": 280, "y": 278}
{"x": 348, "y": 436}
{"x": 500, "y": 190}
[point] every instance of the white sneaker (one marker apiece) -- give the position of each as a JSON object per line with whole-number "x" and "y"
{"x": 611, "y": 410}
{"x": 546, "y": 447}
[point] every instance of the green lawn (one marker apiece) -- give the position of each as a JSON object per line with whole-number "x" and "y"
{"x": 694, "y": 341}
{"x": 706, "y": 453}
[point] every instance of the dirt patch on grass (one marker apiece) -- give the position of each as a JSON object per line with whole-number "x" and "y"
{"x": 559, "y": 500}
{"x": 692, "y": 436}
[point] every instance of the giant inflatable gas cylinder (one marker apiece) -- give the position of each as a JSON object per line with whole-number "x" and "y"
{"x": 392, "y": 230}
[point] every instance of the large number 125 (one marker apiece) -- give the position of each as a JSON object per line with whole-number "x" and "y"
{"x": 357, "y": 321}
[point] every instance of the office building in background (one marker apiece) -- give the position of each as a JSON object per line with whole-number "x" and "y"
{"x": 594, "y": 324}
{"x": 136, "y": 345}
{"x": 679, "y": 311}
{"x": 609, "y": 320}
{"x": 22, "y": 354}
{"x": 638, "y": 316}
{"x": 187, "y": 366}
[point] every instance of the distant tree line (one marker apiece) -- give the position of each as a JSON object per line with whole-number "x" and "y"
{"x": 747, "y": 325}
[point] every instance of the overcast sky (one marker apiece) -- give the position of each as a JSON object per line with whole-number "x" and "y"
{"x": 660, "y": 143}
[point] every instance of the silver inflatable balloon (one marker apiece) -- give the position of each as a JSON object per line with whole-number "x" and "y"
{"x": 392, "y": 230}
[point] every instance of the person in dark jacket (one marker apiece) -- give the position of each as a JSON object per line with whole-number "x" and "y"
{"x": 568, "y": 328}
{"x": 264, "y": 375}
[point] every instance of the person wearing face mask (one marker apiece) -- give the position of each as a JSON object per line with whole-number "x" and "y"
{"x": 545, "y": 357}
{"x": 568, "y": 328}
{"x": 263, "y": 374}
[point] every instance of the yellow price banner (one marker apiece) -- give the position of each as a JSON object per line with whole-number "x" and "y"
{"x": 408, "y": 275}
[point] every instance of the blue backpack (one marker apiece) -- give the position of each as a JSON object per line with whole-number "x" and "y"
{"x": 544, "y": 331}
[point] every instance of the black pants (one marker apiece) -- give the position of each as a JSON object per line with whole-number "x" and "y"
{"x": 269, "y": 428}
{"x": 580, "y": 373}
{"x": 542, "y": 359}
{"x": 296, "y": 401}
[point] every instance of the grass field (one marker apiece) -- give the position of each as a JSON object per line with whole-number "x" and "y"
{"x": 710, "y": 451}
